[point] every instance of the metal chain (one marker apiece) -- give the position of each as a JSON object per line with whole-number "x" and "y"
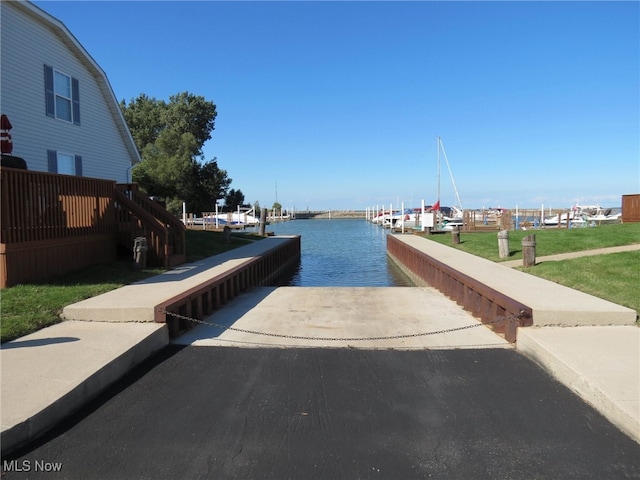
{"x": 342, "y": 339}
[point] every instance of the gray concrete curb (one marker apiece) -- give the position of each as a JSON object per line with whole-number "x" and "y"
{"x": 599, "y": 364}
{"x": 24, "y": 419}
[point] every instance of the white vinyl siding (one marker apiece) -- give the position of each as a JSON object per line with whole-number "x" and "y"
{"x": 27, "y": 44}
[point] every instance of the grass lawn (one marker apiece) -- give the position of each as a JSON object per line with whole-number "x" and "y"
{"x": 548, "y": 242}
{"x": 27, "y": 308}
{"x": 614, "y": 277}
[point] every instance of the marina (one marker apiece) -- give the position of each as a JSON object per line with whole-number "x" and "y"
{"x": 345, "y": 253}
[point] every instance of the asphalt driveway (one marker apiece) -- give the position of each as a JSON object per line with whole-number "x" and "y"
{"x": 305, "y": 413}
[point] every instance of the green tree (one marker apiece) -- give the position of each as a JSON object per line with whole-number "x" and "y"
{"x": 144, "y": 116}
{"x": 212, "y": 186}
{"x": 234, "y": 199}
{"x": 277, "y": 207}
{"x": 170, "y": 137}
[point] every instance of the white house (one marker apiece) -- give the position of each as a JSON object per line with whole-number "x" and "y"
{"x": 64, "y": 114}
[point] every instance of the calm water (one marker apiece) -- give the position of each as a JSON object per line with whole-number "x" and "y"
{"x": 349, "y": 253}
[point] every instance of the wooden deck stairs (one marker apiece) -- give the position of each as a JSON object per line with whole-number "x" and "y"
{"x": 138, "y": 215}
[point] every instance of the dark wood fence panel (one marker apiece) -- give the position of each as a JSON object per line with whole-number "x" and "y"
{"x": 36, "y": 261}
{"x": 631, "y": 208}
{"x": 42, "y": 206}
{"x": 51, "y": 224}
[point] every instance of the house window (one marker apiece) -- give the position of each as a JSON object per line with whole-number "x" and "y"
{"x": 64, "y": 163}
{"x": 62, "y": 95}
{"x": 62, "y": 90}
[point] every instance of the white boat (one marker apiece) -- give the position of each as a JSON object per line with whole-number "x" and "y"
{"x": 584, "y": 215}
{"x": 395, "y": 218}
{"x": 572, "y": 216}
{"x": 240, "y": 218}
{"x": 233, "y": 219}
{"x": 453, "y": 220}
{"x": 599, "y": 215}
{"x": 382, "y": 218}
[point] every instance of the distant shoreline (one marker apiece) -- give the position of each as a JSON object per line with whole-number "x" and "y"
{"x": 333, "y": 214}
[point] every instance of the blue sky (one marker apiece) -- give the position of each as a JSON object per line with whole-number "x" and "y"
{"x": 339, "y": 104}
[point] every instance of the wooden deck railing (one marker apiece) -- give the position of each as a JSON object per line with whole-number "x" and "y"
{"x": 51, "y": 224}
{"x": 39, "y": 206}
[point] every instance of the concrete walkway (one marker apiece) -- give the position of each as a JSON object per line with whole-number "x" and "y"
{"x": 600, "y": 364}
{"x": 49, "y": 374}
{"x": 551, "y": 303}
{"x": 137, "y": 302}
{"x": 607, "y": 353}
{"x": 52, "y": 372}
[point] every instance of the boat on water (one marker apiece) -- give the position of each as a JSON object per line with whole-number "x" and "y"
{"x": 452, "y": 220}
{"x": 553, "y": 220}
{"x": 599, "y": 215}
{"x": 241, "y": 218}
{"x": 584, "y": 215}
{"x": 444, "y": 218}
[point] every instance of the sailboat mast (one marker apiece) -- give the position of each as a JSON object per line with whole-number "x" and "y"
{"x": 450, "y": 175}
{"x": 438, "y": 174}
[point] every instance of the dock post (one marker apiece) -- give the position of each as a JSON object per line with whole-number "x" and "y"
{"x": 529, "y": 251}
{"x": 455, "y": 235}
{"x": 263, "y": 221}
{"x": 503, "y": 243}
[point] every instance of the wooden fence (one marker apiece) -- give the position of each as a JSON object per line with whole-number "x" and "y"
{"x": 631, "y": 208}
{"x": 476, "y": 221}
{"x": 52, "y": 224}
{"x": 483, "y": 220}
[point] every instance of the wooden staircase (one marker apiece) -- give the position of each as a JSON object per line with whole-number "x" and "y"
{"x": 140, "y": 216}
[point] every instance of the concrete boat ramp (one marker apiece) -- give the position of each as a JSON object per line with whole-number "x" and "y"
{"x": 53, "y": 372}
{"x": 357, "y": 317}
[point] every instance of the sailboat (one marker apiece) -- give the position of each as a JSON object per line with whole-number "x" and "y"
{"x": 447, "y": 217}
